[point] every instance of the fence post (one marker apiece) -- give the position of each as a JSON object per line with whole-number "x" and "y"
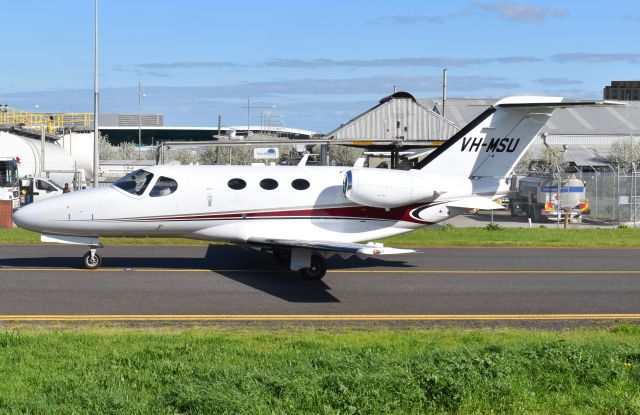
{"x": 558, "y": 201}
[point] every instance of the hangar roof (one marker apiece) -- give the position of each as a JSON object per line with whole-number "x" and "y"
{"x": 397, "y": 116}
{"x": 618, "y": 120}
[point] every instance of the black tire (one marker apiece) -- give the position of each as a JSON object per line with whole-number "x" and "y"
{"x": 91, "y": 264}
{"x": 316, "y": 271}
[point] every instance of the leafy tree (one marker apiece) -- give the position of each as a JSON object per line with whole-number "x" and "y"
{"x": 522, "y": 167}
{"x": 185, "y": 156}
{"x": 343, "y": 155}
{"x": 625, "y": 153}
{"x": 210, "y": 155}
{"x": 105, "y": 149}
{"x": 548, "y": 161}
{"x": 128, "y": 151}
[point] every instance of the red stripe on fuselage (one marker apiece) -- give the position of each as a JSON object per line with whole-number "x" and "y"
{"x": 402, "y": 213}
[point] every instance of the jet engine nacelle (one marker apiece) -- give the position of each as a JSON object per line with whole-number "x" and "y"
{"x": 385, "y": 188}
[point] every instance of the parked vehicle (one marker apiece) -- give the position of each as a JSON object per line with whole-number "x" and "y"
{"x": 33, "y": 189}
{"x": 9, "y": 181}
{"x": 542, "y": 198}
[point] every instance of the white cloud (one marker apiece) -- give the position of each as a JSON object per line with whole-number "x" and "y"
{"x": 581, "y": 57}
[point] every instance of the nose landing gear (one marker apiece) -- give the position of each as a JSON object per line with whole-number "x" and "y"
{"x": 91, "y": 259}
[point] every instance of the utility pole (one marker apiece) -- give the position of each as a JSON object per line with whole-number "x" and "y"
{"x": 96, "y": 99}
{"x": 139, "y": 122}
{"x": 261, "y": 108}
{"x": 444, "y": 90}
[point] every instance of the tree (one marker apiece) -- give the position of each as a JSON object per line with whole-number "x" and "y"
{"x": 128, "y": 151}
{"x": 105, "y": 149}
{"x": 549, "y": 161}
{"x": 185, "y": 156}
{"x": 625, "y": 154}
{"x": 210, "y": 155}
{"x": 343, "y": 155}
{"x": 523, "y": 165}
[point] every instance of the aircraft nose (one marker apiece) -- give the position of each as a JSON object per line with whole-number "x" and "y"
{"x": 40, "y": 216}
{"x": 27, "y": 217}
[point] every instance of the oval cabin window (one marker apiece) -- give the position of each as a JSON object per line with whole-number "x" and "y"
{"x": 268, "y": 184}
{"x": 300, "y": 184}
{"x": 237, "y": 184}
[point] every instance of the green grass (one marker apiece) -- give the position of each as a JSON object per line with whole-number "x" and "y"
{"x": 23, "y": 236}
{"x": 306, "y": 371}
{"x": 427, "y": 237}
{"x": 519, "y": 237}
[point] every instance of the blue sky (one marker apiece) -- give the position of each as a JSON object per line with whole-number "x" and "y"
{"x": 319, "y": 63}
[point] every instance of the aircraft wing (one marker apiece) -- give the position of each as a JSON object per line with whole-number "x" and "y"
{"x": 346, "y": 247}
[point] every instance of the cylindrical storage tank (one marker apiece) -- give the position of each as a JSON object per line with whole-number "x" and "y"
{"x": 572, "y": 193}
{"x": 80, "y": 146}
{"x": 27, "y": 150}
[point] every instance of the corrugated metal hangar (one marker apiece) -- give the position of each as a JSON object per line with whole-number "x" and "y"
{"x": 398, "y": 116}
{"x": 585, "y": 133}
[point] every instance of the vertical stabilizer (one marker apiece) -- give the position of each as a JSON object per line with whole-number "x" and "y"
{"x": 493, "y": 143}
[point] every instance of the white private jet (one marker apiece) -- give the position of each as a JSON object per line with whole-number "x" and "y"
{"x": 302, "y": 214}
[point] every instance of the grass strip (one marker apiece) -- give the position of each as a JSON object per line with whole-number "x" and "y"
{"x": 443, "y": 371}
{"x": 428, "y": 237}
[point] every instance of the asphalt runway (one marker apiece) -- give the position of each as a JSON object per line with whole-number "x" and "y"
{"x": 232, "y": 283}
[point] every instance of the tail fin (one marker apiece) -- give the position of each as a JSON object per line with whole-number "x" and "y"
{"x": 492, "y": 144}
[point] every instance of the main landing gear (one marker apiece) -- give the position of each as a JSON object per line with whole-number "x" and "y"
{"x": 311, "y": 267}
{"x": 91, "y": 259}
{"x": 316, "y": 270}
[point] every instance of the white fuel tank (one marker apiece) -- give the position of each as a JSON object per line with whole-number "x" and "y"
{"x": 27, "y": 151}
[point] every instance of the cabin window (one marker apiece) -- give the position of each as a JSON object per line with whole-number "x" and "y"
{"x": 268, "y": 184}
{"x": 237, "y": 184}
{"x": 163, "y": 187}
{"x": 300, "y": 184}
{"x": 135, "y": 183}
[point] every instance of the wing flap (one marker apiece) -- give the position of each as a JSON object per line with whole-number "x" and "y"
{"x": 344, "y": 247}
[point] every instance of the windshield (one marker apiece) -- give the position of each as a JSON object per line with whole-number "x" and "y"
{"x": 163, "y": 187}
{"x": 135, "y": 183}
{"x": 8, "y": 173}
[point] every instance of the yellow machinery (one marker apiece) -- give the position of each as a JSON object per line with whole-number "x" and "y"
{"x": 12, "y": 117}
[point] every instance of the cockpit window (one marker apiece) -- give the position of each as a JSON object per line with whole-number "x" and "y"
{"x": 163, "y": 187}
{"x": 135, "y": 183}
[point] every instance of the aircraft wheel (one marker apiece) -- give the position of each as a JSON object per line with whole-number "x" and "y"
{"x": 92, "y": 263}
{"x": 316, "y": 271}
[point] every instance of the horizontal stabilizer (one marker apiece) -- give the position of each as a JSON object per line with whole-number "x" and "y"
{"x": 511, "y": 103}
{"x": 481, "y": 203}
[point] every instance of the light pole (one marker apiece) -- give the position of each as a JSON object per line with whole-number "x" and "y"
{"x": 249, "y": 107}
{"x": 140, "y": 95}
{"x": 96, "y": 99}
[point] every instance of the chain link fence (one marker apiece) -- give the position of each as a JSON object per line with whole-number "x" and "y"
{"x": 607, "y": 197}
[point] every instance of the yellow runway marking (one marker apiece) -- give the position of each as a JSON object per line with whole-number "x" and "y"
{"x": 344, "y": 271}
{"x": 321, "y": 317}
